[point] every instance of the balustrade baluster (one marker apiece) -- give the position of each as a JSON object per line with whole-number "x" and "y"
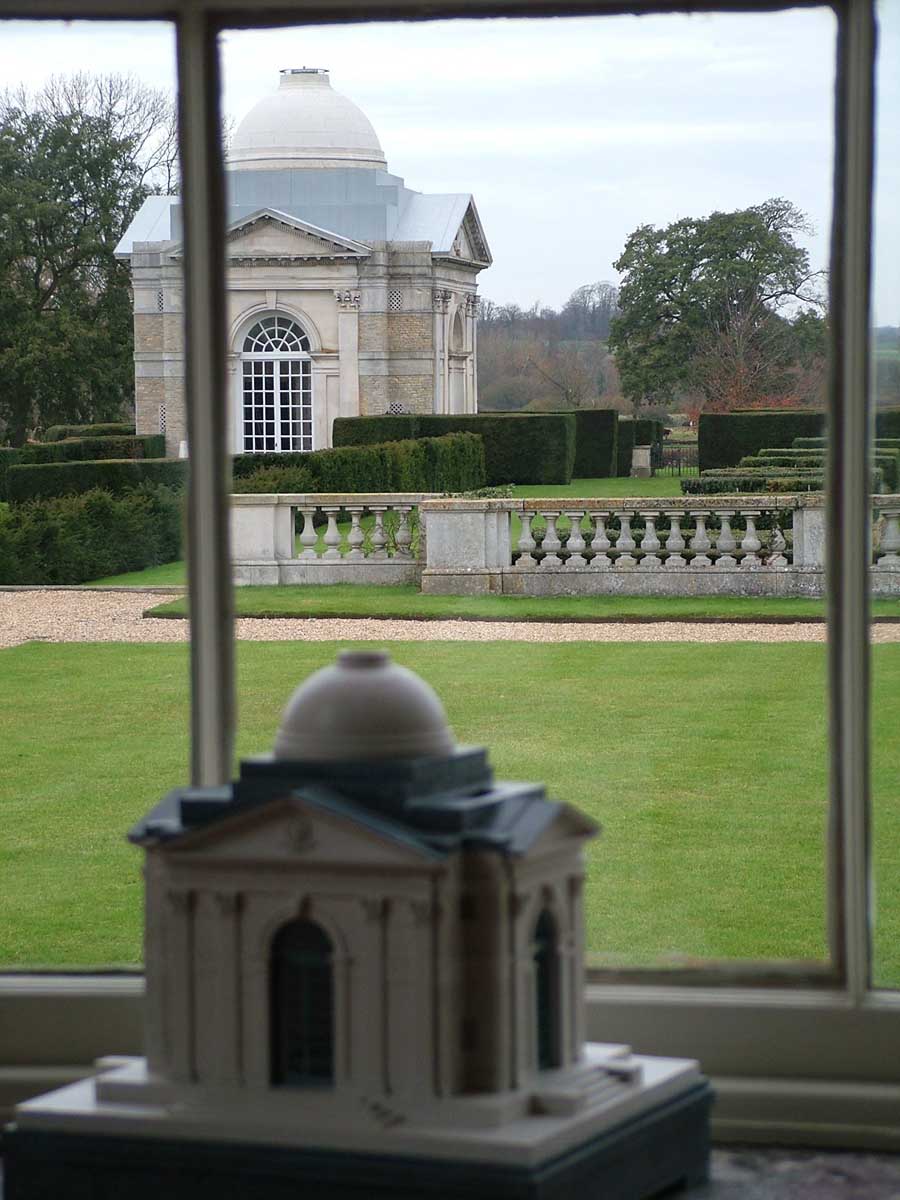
{"x": 332, "y": 538}
{"x": 725, "y": 542}
{"x": 890, "y": 541}
{"x": 355, "y": 537}
{"x": 404, "y": 534}
{"x": 750, "y": 542}
{"x": 625, "y": 543}
{"x": 600, "y": 542}
{"x": 379, "y": 537}
{"x": 575, "y": 543}
{"x": 674, "y": 541}
{"x": 700, "y": 542}
{"x": 308, "y": 537}
{"x": 551, "y": 543}
{"x": 526, "y": 542}
{"x": 777, "y": 547}
{"x": 650, "y": 543}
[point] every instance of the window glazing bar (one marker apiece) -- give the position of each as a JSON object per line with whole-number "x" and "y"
{"x": 849, "y": 505}
{"x": 208, "y": 551}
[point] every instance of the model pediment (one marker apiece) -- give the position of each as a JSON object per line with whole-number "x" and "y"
{"x": 569, "y": 829}
{"x": 470, "y": 244}
{"x": 269, "y": 234}
{"x": 317, "y": 829}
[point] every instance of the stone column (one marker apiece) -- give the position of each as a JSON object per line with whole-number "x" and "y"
{"x": 441, "y": 304}
{"x": 471, "y": 365}
{"x": 348, "y": 351}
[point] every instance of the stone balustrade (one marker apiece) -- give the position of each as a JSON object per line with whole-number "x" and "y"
{"x": 323, "y": 538}
{"x": 691, "y": 545}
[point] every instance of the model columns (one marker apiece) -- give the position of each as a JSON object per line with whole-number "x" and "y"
{"x": 348, "y": 353}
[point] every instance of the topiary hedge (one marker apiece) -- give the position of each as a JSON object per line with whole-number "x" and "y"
{"x": 9, "y": 457}
{"x": 73, "y": 539}
{"x": 87, "y": 449}
{"x": 518, "y": 447}
{"x": 452, "y": 463}
{"x": 596, "y": 443}
{"x": 56, "y": 433}
{"x": 724, "y": 439}
{"x": 624, "y": 447}
{"x": 45, "y": 481}
{"x": 887, "y": 423}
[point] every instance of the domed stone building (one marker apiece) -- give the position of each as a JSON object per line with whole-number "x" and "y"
{"x": 348, "y": 293}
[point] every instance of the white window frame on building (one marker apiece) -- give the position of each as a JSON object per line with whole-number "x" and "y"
{"x": 794, "y": 1056}
{"x": 276, "y": 387}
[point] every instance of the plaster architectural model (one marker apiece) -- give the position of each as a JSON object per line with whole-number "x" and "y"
{"x": 348, "y": 293}
{"x": 364, "y": 972}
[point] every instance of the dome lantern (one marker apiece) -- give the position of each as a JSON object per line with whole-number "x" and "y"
{"x": 305, "y": 123}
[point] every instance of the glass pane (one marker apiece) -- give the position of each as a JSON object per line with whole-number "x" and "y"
{"x": 886, "y": 451}
{"x": 700, "y": 747}
{"x": 93, "y": 371}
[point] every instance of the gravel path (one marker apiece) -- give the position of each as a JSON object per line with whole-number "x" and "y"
{"x": 61, "y": 616}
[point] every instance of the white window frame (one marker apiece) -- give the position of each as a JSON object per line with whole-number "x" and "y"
{"x": 299, "y": 405}
{"x": 805, "y": 1063}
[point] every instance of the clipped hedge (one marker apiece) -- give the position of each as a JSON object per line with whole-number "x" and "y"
{"x": 73, "y": 539}
{"x": 624, "y": 447}
{"x": 452, "y": 463}
{"x": 518, "y": 447}
{"x": 45, "y": 481}
{"x": 723, "y": 439}
{"x": 56, "y": 433}
{"x": 9, "y": 457}
{"x": 596, "y": 442}
{"x": 887, "y": 423}
{"x": 87, "y": 449}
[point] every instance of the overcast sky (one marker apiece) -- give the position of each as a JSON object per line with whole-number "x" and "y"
{"x": 569, "y": 133}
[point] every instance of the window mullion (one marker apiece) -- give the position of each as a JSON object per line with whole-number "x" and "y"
{"x": 208, "y": 557}
{"x": 849, "y": 504}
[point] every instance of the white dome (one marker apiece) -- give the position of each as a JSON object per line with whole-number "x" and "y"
{"x": 364, "y": 708}
{"x": 305, "y": 124}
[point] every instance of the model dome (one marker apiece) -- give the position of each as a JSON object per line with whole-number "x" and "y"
{"x": 363, "y": 708}
{"x": 306, "y": 123}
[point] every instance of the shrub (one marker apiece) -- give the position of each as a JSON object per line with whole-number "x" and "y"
{"x": 518, "y": 447}
{"x": 56, "y": 433}
{"x": 725, "y": 438}
{"x": 44, "y": 481}
{"x": 624, "y": 447}
{"x": 72, "y": 539}
{"x": 596, "y": 442}
{"x": 9, "y": 457}
{"x": 648, "y": 431}
{"x": 454, "y": 462}
{"x": 88, "y": 449}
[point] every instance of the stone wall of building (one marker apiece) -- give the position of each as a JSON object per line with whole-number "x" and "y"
{"x": 410, "y": 331}
{"x": 373, "y": 328}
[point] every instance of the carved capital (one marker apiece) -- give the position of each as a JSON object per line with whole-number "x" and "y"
{"x": 471, "y": 305}
{"x": 347, "y": 300}
{"x": 441, "y": 299}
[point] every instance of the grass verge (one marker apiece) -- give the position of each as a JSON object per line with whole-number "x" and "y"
{"x": 706, "y": 765}
{"x": 359, "y": 600}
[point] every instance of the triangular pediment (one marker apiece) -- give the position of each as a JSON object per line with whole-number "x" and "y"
{"x": 269, "y": 235}
{"x": 569, "y": 829}
{"x": 470, "y": 244}
{"x": 305, "y": 829}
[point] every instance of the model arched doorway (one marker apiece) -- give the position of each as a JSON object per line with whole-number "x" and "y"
{"x": 547, "y": 992}
{"x": 302, "y": 1006}
{"x": 276, "y": 387}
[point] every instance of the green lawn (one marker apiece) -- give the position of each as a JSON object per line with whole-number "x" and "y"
{"x": 359, "y": 600}
{"x": 705, "y": 764}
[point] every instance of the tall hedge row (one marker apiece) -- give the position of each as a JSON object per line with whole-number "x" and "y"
{"x": 624, "y": 447}
{"x": 452, "y": 463}
{"x": 596, "y": 442}
{"x": 89, "y": 448}
{"x": 725, "y": 438}
{"x": 56, "y": 433}
{"x": 518, "y": 447}
{"x": 73, "y": 539}
{"x": 45, "y": 481}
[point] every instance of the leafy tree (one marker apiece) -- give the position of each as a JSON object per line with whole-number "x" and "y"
{"x": 76, "y": 162}
{"x": 704, "y": 292}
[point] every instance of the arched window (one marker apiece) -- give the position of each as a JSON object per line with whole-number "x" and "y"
{"x": 302, "y": 1006}
{"x": 458, "y": 336}
{"x": 277, "y": 387}
{"x": 547, "y": 991}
